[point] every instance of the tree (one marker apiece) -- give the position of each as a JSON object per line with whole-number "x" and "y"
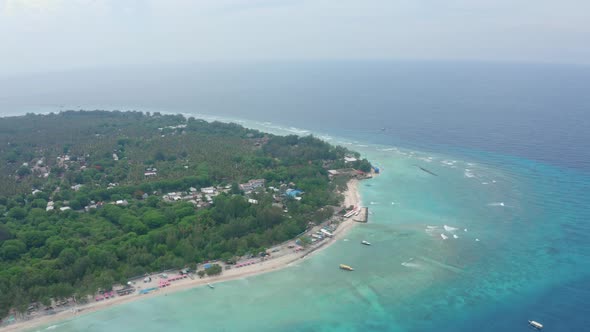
{"x": 365, "y": 166}
{"x": 235, "y": 189}
{"x": 214, "y": 270}
{"x": 75, "y": 204}
{"x": 23, "y": 171}
{"x": 17, "y": 213}
{"x": 39, "y": 203}
{"x": 154, "y": 219}
{"x": 159, "y": 156}
{"x": 67, "y": 257}
{"x": 12, "y": 249}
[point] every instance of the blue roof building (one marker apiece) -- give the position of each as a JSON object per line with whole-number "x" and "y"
{"x": 293, "y": 192}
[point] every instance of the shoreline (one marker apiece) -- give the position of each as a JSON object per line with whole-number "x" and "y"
{"x": 351, "y": 197}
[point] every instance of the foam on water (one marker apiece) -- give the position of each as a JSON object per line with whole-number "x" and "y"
{"x": 449, "y": 228}
{"x": 468, "y": 173}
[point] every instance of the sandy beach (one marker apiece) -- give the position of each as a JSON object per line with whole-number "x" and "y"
{"x": 283, "y": 258}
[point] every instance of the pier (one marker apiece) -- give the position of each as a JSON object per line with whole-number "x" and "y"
{"x": 362, "y": 215}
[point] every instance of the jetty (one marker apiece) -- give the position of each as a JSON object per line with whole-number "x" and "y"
{"x": 362, "y": 215}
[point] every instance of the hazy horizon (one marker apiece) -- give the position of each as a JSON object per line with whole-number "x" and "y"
{"x": 52, "y": 36}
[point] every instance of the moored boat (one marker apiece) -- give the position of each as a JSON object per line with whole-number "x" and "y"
{"x": 535, "y": 324}
{"x": 366, "y": 243}
{"x": 346, "y": 267}
{"x": 210, "y": 286}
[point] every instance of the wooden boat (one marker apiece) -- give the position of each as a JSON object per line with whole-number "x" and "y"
{"x": 535, "y": 324}
{"x": 346, "y": 267}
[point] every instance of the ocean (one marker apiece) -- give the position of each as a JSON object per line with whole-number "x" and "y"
{"x": 498, "y": 236}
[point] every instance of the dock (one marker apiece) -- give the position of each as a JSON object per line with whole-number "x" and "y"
{"x": 362, "y": 215}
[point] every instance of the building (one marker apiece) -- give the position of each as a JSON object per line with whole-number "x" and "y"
{"x": 293, "y": 193}
{"x": 333, "y": 172}
{"x": 77, "y": 187}
{"x": 209, "y": 190}
{"x": 172, "y": 196}
{"x": 252, "y": 185}
{"x": 341, "y": 172}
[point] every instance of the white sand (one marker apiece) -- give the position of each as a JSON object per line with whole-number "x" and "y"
{"x": 284, "y": 258}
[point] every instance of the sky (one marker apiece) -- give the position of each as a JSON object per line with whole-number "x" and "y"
{"x": 55, "y": 35}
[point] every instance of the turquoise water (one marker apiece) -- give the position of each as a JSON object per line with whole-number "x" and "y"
{"x": 520, "y": 252}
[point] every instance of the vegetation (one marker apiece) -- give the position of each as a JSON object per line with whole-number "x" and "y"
{"x": 214, "y": 270}
{"x": 97, "y": 166}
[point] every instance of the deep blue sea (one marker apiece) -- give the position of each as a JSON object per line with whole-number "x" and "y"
{"x": 510, "y": 146}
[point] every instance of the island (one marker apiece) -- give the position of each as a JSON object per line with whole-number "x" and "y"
{"x": 99, "y": 207}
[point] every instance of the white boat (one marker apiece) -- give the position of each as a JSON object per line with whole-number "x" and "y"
{"x": 346, "y": 267}
{"x": 366, "y": 243}
{"x": 210, "y": 286}
{"x": 535, "y": 324}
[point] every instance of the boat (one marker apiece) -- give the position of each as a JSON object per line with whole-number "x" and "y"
{"x": 346, "y": 267}
{"x": 211, "y": 286}
{"x": 535, "y": 324}
{"x": 366, "y": 243}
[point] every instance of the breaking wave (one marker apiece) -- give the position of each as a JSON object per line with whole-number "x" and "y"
{"x": 449, "y": 228}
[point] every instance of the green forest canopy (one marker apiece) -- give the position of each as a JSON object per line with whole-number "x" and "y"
{"x": 103, "y": 157}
